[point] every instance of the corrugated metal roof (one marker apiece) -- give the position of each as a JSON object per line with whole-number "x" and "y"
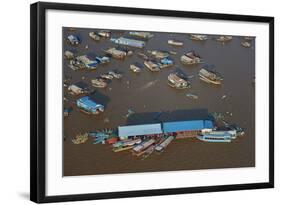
{"x": 88, "y": 102}
{"x": 134, "y": 130}
{"x": 208, "y": 124}
{"x": 186, "y": 125}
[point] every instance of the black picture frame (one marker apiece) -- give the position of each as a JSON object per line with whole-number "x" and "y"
{"x": 38, "y": 101}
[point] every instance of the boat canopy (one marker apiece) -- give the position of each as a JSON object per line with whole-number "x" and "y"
{"x": 190, "y": 125}
{"x": 136, "y": 130}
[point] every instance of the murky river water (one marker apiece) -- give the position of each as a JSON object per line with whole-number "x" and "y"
{"x": 148, "y": 92}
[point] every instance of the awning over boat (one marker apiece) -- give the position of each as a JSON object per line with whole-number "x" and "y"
{"x": 135, "y": 130}
{"x": 190, "y": 125}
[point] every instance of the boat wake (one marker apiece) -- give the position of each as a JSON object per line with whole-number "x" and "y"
{"x": 148, "y": 85}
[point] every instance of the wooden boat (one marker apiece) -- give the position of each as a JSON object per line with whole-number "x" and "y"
{"x": 135, "y": 68}
{"x": 115, "y": 53}
{"x": 190, "y": 58}
{"x": 152, "y": 66}
{"x": 224, "y": 38}
{"x": 175, "y": 42}
{"x": 106, "y": 76}
{"x": 115, "y": 75}
{"x": 104, "y": 33}
{"x": 98, "y": 83}
{"x": 94, "y": 36}
{"x": 160, "y": 147}
{"x": 210, "y": 76}
{"x": 176, "y": 82}
{"x": 245, "y": 44}
{"x": 159, "y": 54}
{"x": 198, "y": 37}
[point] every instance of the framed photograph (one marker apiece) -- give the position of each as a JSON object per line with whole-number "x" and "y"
{"x": 129, "y": 102}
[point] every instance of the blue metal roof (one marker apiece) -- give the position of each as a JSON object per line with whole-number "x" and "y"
{"x": 187, "y": 125}
{"x": 135, "y": 130}
{"x": 88, "y": 102}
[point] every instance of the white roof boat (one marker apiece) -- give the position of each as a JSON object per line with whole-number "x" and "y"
{"x": 198, "y": 37}
{"x": 152, "y": 66}
{"x": 175, "y": 81}
{"x": 175, "y": 43}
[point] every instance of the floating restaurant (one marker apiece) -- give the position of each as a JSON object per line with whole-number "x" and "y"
{"x": 179, "y": 129}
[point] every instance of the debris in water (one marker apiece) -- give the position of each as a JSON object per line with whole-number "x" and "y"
{"x": 192, "y": 96}
{"x": 224, "y": 96}
{"x": 149, "y": 84}
{"x": 86, "y": 46}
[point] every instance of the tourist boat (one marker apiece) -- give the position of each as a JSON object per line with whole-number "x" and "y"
{"x": 106, "y": 76}
{"x": 128, "y": 42}
{"x": 115, "y": 75}
{"x": 160, "y": 147}
{"x": 245, "y": 44}
{"x": 224, "y": 38}
{"x": 154, "y": 67}
{"x": 175, "y": 43}
{"x": 176, "y": 82}
{"x": 98, "y": 83}
{"x": 159, "y": 54}
{"x": 73, "y": 40}
{"x": 104, "y": 33}
{"x": 135, "y": 68}
{"x": 190, "y": 58}
{"x": 115, "y": 53}
{"x": 141, "y": 34}
{"x": 94, "y": 36}
{"x": 210, "y": 76}
{"x": 218, "y": 136}
{"x": 198, "y": 37}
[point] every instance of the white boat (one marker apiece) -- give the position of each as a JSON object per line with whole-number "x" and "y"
{"x": 175, "y": 43}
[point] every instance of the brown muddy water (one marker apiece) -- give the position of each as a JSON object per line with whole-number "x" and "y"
{"x": 148, "y": 92}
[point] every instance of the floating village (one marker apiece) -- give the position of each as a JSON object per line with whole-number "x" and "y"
{"x": 142, "y": 140}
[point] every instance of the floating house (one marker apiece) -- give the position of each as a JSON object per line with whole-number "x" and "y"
{"x": 128, "y": 42}
{"x": 89, "y": 106}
